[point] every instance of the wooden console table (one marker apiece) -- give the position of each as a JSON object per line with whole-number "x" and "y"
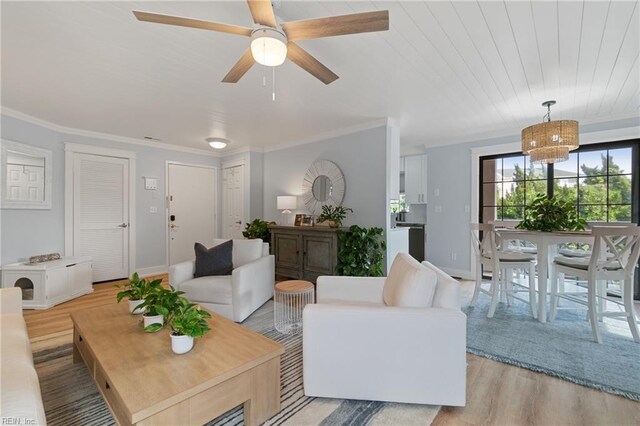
{"x": 305, "y": 252}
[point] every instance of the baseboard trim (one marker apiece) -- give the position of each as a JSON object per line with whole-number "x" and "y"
{"x": 459, "y": 273}
{"x": 152, "y": 270}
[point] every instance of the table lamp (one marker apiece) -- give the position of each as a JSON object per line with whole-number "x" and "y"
{"x": 286, "y": 203}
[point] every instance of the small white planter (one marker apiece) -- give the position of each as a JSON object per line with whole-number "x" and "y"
{"x": 133, "y": 304}
{"x": 153, "y": 319}
{"x": 181, "y": 344}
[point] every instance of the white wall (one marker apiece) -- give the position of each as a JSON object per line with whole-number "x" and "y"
{"x": 362, "y": 158}
{"x": 449, "y": 170}
{"x": 26, "y": 233}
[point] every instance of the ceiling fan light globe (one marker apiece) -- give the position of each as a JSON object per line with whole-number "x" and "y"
{"x": 269, "y": 47}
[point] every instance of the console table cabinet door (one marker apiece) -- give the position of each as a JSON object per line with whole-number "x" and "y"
{"x": 286, "y": 248}
{"x": 318, "y": 256}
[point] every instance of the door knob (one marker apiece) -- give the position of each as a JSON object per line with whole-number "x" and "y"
{"x": 239, "y": 222}
{"x": 123, "y": 225}
{"x": 173, "y": 225}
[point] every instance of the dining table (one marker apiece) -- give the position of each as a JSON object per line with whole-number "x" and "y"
{"x": 546, "y": 249}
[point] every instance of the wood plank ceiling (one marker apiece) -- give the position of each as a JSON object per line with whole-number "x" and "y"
{"x": 447, "y": 71}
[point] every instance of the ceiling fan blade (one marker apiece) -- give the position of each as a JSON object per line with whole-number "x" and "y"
{"x": 337, "y": 25}
{"x": 191, "y": 23}
{"x": 245, "y": 62}
{"x": 304, "y": 60}
{"x": 262, "y": 12}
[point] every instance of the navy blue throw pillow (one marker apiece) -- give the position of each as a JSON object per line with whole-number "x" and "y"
{"x": 214, "y": 261}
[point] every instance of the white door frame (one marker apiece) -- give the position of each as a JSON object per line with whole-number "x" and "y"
{"x": 73, "y": 148}
{"x": 166, "y": 200}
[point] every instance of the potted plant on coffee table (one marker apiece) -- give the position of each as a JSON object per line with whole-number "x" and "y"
{"x": 187, "y": 321}
{"x": 136, "y": 289}
{"x": 159, "y": 305}
{"x": 333, "y": 215}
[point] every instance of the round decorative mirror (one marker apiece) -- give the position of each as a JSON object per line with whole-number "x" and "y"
{"x": 323, "y": 184}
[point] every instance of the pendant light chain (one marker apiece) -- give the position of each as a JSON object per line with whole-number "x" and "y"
{"x": 273, "y": 94}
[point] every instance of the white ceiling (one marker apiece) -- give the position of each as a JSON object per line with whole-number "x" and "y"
{"x": 446, "y": 71}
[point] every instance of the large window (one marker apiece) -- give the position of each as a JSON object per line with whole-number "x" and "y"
{"x": 601, "y": 180}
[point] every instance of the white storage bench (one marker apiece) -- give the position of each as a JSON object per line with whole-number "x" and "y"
{"x": 49, "y": 283}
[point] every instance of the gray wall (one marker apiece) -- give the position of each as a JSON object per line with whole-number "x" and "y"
{"x": 28, "y": 232}
{"x": 449, "y": 170}
{"x": 362, "y": 158}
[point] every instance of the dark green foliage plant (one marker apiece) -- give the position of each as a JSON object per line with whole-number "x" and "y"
{"x": 137, "y": 288}
{"x": 188, "y": 319}
{"x": 335, "y": 214}
{"x": 551, "y": 214}
{"x": 163, "y": 302}
{"x": 360, "y": 252}
{"x": 258, "y": 229}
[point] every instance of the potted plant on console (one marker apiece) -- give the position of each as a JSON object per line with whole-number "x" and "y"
{"x": 187, "y": 321}
{"x": 136, "y": 289}
{"x": 159, "y": 305}
{"x": 333, "y": 215}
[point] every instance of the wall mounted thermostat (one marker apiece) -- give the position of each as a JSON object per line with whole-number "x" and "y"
{"x": 150, "y": 183}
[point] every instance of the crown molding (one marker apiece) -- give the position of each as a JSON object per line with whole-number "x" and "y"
{"x": 105, "y": 136}
{"x": 331, "y": 134}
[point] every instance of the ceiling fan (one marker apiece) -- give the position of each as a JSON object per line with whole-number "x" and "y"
{"x": 271, "y": 43}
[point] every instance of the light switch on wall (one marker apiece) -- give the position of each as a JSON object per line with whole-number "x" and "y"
{"x": 436, "y": 192}
{"x": 153, "y": 209}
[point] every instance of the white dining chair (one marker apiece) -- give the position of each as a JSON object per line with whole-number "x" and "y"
{"x": 615, "y": 254}
{"x": 501, "y": 263}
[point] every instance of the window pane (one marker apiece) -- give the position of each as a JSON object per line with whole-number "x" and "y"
{"x": 619, "y": 161}
{"x": 593, "y": 213}
{"x": 620, "y": 213}
{"x": 490, "y": 194}
{"x": 620, "y": 189}
{"x": 566, "y": 189}
{"x": 567, "y": 168}
{"x": 513, "y": 168}
{"x": 536, "y": 171}
{"x": 513, "y": 193}
{"x": 592, "y": 163}
{"x": 513, "y": 212}
{"x": 535, "y": 187}
{"x": 491, "y": 170}
{"x": 490, "y": 214}
{"x": 592, "y": 190}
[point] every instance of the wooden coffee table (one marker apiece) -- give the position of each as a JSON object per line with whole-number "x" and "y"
{"x": 144, "y": 382}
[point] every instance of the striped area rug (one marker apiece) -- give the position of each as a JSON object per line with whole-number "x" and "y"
{"x": 71, "y": 398}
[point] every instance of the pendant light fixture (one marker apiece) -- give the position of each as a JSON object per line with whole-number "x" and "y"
{"x": 550, "y": 141}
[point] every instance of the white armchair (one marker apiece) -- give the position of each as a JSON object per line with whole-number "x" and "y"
{"x": 356, "y": 347}
{"x": 234, "y": 296}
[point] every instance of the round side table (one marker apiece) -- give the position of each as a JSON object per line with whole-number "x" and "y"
{"x": 290, "y": 299}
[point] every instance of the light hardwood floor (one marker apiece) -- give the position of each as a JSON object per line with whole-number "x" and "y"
{"x": 497, "y": 394}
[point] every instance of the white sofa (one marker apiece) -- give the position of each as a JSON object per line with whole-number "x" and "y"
{"x": 20, "y": 399}
{"x": 234, "y": 296}
{"x": 356, "y": 347}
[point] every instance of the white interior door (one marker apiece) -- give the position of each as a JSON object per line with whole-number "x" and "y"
{"x": 101, "y": 214}
{"x": 233, "y": 201}
{"x": 192, "y": 208}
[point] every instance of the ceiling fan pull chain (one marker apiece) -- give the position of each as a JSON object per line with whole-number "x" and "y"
{"x": 273, "y": 94}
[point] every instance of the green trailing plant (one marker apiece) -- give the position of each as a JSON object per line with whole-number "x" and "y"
{"x": 360, "y": 252}
{"x": 163, "y": 302}
{"x": 333, "y": 214}
{"x": 188, "y": 319}
{"x": 136, "y": 288}
{"x": 551, "y": 214}
{"x": 258, "y": 229}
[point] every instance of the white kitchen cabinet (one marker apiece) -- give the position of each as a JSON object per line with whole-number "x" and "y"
{"x": 415, "y": 179}
{"x": 47, "y": 284}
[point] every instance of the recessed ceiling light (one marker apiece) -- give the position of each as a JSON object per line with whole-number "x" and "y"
{"x": 217, "y": 143}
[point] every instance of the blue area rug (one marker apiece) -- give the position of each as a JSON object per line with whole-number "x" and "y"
{"x": 563, "y": 348}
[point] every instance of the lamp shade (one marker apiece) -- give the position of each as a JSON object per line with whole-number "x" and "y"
{"x": 287, "y": 202}
{"x": 550, "y": 141}
{"x": 268, "y": 47}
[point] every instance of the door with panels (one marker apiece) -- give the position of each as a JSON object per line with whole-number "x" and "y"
{"x": 101, "y": 214}
{"x": 233, "y": 201}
